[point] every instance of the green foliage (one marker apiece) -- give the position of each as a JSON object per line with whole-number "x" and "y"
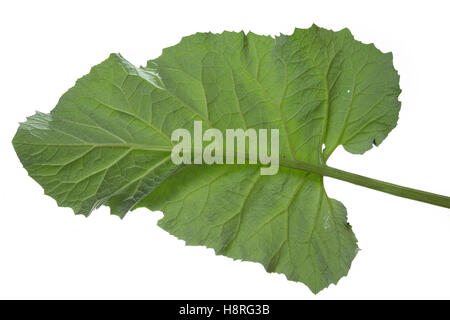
{"x": 107, "y": 142}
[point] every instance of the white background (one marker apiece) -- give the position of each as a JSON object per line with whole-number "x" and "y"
{"x": 47, "y": 252}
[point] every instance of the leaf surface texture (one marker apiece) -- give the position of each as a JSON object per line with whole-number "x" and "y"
{"x": 107, "y": 142}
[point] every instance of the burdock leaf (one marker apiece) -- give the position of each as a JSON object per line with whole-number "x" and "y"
{"x": 108, "y": 142}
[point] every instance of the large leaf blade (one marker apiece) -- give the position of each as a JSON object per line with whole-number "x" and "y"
{"x": 108, "y": 142}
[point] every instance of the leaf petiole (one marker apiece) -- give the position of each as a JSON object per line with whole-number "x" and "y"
{"x": 394, "y": 189}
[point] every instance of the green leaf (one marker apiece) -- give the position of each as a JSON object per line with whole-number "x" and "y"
{"x": 108, "y": 142}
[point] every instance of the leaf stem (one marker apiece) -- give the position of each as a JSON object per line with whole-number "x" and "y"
{"x": 370, "y": 183}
